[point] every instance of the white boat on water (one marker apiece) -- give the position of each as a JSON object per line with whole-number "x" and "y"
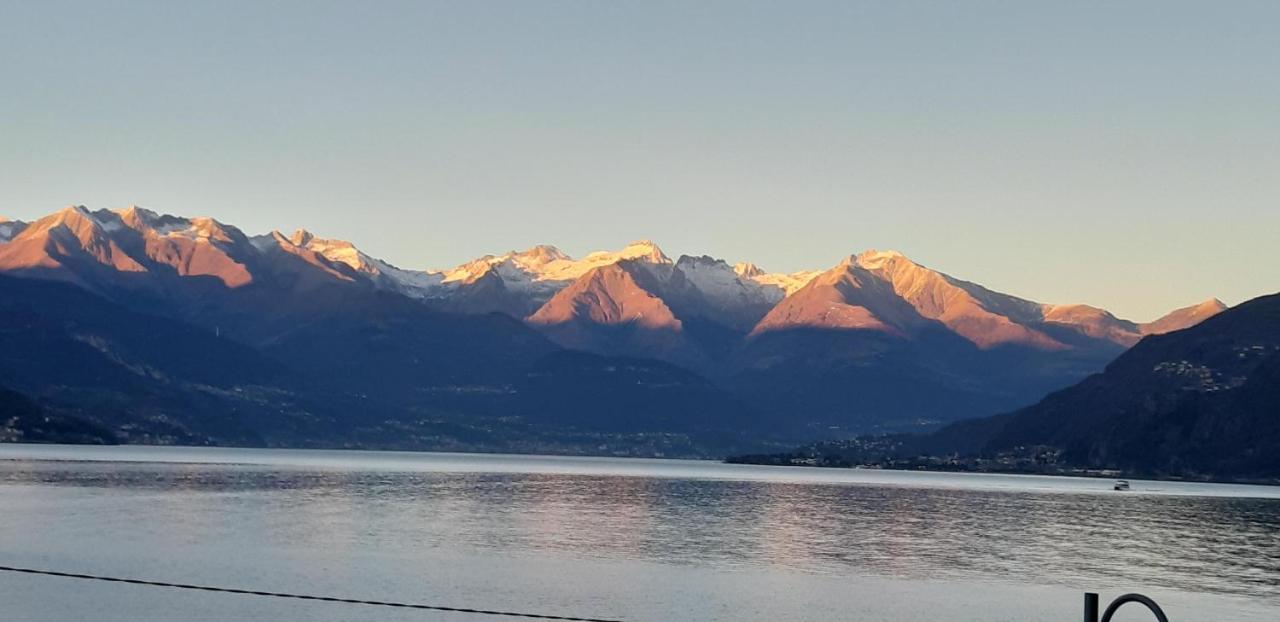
{"x": 1121, "y": 484}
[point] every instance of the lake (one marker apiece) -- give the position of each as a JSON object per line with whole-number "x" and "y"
{"x": 637, "y": 540}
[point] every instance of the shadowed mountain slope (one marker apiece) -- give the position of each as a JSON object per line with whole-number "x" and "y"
{"x": 362, "y": 371}
{"x": 82, "y": 355}
{"x": 24, "y": 421}
{"x": 1200, "y": 401}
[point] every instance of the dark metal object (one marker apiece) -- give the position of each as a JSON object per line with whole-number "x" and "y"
{"x": 1091, "y": 607}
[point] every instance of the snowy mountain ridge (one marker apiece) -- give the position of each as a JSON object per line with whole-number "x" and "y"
{"x": 880, "y": 290}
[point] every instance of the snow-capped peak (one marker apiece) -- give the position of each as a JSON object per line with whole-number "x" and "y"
{"x": 146, "y": 221}
{"x": 872, "y": 259}
{"x": 546, "y": 266}
{"x": 785, "y": 284}
{"x": 541, "y": 254}
{"x": 412, "y": 283}
{"x": 337, "y": 251}
{"x": 747, "y": 269}
{"x": 643, "y": 250}
{"x": 723, "y": 286}
{"x": 202, "y": 228}
{"x": 788, "y": 283}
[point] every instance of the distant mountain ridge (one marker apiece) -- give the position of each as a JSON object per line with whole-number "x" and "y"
{"x": 877, "y": 340}
{"x": 136, "y": 240}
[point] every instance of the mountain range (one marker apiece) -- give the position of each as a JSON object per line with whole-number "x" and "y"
{"x": 512, "y": 350}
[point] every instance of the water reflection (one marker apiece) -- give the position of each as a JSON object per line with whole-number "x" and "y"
{"x": 1223, "y": 545}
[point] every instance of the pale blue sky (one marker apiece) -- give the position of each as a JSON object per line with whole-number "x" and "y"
{"x": 1122, "y": 154}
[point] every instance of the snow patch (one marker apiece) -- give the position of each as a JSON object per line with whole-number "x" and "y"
{"x": 872, "y": 259}
{"x": 9, "y": 229}
{"x": 723, "y": 286}
{"x": 412, "y": 283}
{"x": 545, "y": 268}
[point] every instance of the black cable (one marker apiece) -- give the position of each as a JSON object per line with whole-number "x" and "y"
{"x": 327, "y": 599}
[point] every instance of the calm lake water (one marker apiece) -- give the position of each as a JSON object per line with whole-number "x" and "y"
{"x": 642, "y": 540}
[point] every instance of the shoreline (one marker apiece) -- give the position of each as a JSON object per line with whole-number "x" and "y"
{"x": 1101, "y": 474}
{"x": 132, "y": 456}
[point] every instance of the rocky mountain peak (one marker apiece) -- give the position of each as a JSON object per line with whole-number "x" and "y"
{"x": 542, "y": 254}
{"x": 301, "y": 237}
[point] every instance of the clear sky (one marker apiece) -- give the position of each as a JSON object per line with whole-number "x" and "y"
{"x": 1122, "y": 154}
